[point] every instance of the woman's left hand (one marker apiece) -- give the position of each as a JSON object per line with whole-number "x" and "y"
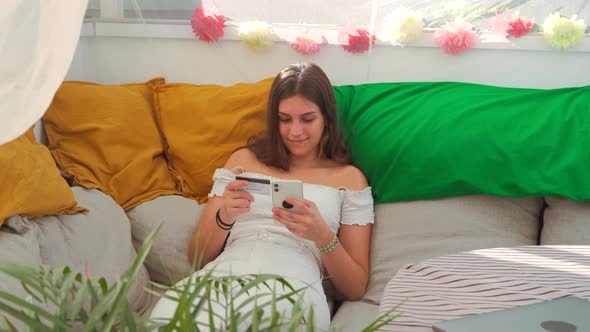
{"x": 305, "y": 222}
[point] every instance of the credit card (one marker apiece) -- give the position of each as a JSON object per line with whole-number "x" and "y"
{"x": 256, "y": 186}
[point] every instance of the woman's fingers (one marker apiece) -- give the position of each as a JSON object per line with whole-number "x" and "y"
{"x": 241, "y": 209}
{"x": 235, "y": 190}
{"x": 240, "y": 202}
{"x": 299, "y": 205}
{"x": 283, "y": 213}
{"x": 237, "y": 184}
{"x": 289, "y": 223}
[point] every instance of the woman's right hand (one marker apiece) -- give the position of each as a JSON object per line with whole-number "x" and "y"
{"x": 236, "y": 201}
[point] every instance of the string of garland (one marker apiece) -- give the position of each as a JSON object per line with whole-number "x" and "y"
{"x": 401, "y": 27}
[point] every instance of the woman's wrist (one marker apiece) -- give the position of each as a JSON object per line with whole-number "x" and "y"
{"x": 223, "y": 215}
{"x": 222, "y": 221}
{"x": 331, "y": 245}
{"x": 324, "y": 238}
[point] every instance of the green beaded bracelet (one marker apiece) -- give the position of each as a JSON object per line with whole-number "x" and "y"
{"x": 330, "y": 246}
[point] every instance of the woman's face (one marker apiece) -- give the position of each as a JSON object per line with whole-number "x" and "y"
{"x": 301, "y": 125}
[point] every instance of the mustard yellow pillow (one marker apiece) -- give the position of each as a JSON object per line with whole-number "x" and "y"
{"x": 106, "y": 137}
{"x": 31, "y": 182}
{"x": 204, "y": 124}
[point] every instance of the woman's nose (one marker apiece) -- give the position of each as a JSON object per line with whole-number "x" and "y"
{"x": 296, "y": 128}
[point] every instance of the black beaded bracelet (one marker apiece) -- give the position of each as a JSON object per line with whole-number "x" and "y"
{"x": 221, "y": 224}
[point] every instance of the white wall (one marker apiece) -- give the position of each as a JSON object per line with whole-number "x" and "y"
{"x": 129, "y": 59}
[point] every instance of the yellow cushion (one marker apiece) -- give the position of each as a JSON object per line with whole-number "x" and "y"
{"x": 105, "y": 137}
{"x": 204, "y": 124}
{"x": 31, "y": 182}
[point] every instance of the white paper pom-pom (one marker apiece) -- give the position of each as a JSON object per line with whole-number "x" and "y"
{"x": 563, "y": 33}
{"x": 255, "y": 34}
{"x": 402, "y": 26}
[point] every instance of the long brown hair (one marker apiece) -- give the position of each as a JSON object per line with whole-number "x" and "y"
{"x": 308, "y": 81}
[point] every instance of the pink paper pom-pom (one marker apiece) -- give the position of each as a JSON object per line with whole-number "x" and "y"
{"x": 355, "y": 40}
{"x": 305, "y": 46}
{"x": 455, "y": 37}
{"x": 305, "y": 42}
{"x": 499, "y": 22}
{"x": 208, "y": 24}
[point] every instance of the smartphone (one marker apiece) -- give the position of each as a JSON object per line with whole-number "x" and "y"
{"x": 281, "y": 189}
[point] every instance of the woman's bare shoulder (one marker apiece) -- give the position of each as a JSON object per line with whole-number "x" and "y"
{"x": 352, "y": 178}
{"x": 242, "y": 157}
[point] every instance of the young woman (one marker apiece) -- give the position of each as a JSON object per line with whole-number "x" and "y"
{"x": 331, "y": 227}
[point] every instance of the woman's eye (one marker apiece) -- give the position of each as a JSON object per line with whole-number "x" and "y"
{"x": 284, "y": 120}
{"x": 307, "y": 120}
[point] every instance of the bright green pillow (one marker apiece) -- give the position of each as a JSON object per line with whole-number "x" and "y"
{"x": 417, "y": 141}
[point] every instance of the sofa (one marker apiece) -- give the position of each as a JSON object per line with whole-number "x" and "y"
{"x": 454, "y": 167}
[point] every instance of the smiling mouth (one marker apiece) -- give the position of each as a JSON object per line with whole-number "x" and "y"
{"x": 298, "y": 141}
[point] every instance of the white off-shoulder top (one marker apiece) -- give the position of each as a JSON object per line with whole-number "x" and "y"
{"x": 337, "y": 206}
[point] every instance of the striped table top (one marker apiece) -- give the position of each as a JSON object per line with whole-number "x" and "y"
{"x": 484, "y": 280}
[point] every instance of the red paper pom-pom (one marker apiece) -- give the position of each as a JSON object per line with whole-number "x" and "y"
{"x": 518, "y": 27}
{"x": 355, "y": 40}
{"x": 208, "y": 24}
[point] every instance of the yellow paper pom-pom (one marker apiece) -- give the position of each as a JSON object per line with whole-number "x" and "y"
{"x": 255, "y": 34}
{"x": 563, "y": 33}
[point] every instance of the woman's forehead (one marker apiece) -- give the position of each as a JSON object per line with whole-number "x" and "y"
{"x": 297, "y": 106}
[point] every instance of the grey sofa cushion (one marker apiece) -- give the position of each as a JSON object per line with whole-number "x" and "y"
{"x": 411, "y": 232}
{"x": 566, "y": 222}
{"x": 18, "y": 243}
{"x": 99, "y": 240}
{"x": 167, "y": 262}
{"x": 353, "y": 316}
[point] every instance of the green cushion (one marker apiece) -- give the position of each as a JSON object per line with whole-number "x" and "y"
{"x": 417, "y": 141}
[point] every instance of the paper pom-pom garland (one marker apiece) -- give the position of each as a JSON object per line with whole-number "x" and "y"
{"x": 561, "y": 32}
{"x": 455, "y": 37}
{"x": 255, "y": 34}
{"x": 355, "y": 39}
{"x": 305, "y": 42}
{"x": 208, "y": 24}
{"x": 402, "y": 26}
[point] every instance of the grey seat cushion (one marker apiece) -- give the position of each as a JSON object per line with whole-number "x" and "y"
{"x": 168, "y": 261}
{"x": 566, "y": 222}
{"x": 18, "y": 243}
{"x": 353, "y": 316}
{"x": 411, "y": 232}
{"x": 98, "y": 241}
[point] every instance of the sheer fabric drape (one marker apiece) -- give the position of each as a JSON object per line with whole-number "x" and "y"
{"x": 37, "y": 42}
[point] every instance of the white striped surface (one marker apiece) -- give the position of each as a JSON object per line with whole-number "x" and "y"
{"x": 484, "y": 280}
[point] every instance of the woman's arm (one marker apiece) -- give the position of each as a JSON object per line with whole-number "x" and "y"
{"x": 208, "y": 239}
{"x": 348, "y": 264}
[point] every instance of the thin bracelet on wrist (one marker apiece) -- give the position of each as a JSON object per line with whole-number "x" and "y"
{"x": 331, "y": 245}
{"x": 220, "y": 223}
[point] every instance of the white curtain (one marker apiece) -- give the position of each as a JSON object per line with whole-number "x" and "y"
{"x": 37, "y": 42}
